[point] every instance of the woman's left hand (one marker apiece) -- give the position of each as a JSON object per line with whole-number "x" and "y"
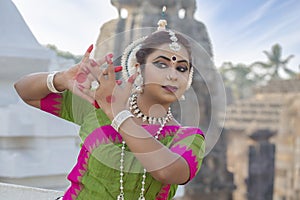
{"x": 110, "y": 95}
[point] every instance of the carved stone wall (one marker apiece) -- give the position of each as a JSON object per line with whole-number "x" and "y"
{"x": 244, "y": 118}
{"x": 275, "y": 108}
{"x": 279, "y": 86}
{"x": 260, "y": 182}
{"x": 287, "y": 179}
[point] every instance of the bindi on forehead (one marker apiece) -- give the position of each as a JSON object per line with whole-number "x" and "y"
{"x": 173, "y": 59}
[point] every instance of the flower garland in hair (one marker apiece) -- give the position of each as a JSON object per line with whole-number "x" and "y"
{"x": 128, "y": 59}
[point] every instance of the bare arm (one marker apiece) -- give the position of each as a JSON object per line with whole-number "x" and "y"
{"x": 163, "y": 164}
{"x": 32, "y": 88}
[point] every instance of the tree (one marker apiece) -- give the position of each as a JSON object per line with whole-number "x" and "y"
{"x": 271, "y": 69}
{"x": 64, "y": 54}
{"x": 239, "y": 78}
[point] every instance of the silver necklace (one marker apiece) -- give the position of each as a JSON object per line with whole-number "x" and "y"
{"x": 138, "y": 113}
{"x": 152, "y": 120}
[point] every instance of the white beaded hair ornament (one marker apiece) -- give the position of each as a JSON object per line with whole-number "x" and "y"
{"x": 128, "y": 60}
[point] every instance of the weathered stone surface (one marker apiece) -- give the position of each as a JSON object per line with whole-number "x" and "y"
{"x": 260, "y": 182}
{"x": 275, "y": 108}
{"x": 280, "y": 86}
{"x": 287, "y": 179}
{"x": 36, "y": 149}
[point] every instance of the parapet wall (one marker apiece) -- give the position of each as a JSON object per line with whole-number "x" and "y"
{"x": 17, "y": 192}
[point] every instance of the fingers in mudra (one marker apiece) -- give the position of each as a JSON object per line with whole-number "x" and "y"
{"x": 89, "y": 89}
{"x": 87, "y": 54}
{"x": 97, "y": 68}
{"x": 91, "y": 76}
{"x": 108, "y": 75}
{"x": 116, "y": 69}
{"x": 80, "y": 90}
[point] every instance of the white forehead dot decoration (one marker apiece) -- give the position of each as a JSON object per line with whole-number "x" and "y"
{"x": 174, "y": 45}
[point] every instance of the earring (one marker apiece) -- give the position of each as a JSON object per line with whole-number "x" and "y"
{"x": 182, "y": 98}
{"x": 190, "y": 80}
{"x": 139, "y": 82}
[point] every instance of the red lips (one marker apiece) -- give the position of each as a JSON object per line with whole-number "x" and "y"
{"x": 170, "y": 88}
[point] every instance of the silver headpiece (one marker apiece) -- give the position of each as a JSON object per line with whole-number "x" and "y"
{"x": 174, "y": 45}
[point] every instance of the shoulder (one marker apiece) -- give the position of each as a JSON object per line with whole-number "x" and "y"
{"x": 185, "y": 134}
{"x": 189, "y": 132}
{"x": 186, "y": 129}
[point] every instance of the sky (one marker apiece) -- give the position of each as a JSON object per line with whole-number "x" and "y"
{"x": 240, "y": 30}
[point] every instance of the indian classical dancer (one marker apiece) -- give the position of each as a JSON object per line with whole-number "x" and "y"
{"x": 132, "y": 147}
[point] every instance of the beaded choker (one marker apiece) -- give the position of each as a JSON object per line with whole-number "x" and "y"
{"x": 138, "y": 113}
{"x": 151, "y": 120}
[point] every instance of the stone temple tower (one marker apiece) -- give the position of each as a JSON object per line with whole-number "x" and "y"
{"x": 213, "y": 181}
{"x": 32, "y": 142}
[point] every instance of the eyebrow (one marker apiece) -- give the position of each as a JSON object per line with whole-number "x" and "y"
{"x": 168, "y": 59}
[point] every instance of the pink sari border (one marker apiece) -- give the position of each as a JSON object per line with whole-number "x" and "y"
{"x": 107, "y": 134}
{"x": 164, "y": 193}
{"x": 51, "y": 103}
{"x": 190, "y": 158}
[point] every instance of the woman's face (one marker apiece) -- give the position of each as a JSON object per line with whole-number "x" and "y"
{"x": 166, "y": 74}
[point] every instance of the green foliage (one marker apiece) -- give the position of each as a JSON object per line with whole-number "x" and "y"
{"x": 241, "y": 78}
{"x": 275, "y": 67}
{"x": 64, "y": 54}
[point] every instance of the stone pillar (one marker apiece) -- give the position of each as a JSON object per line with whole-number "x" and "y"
{"x": 261, "y": 166}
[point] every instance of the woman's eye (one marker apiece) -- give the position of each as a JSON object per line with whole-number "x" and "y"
{"x": 182, "y": 68}
{"x": 160, "y": 65}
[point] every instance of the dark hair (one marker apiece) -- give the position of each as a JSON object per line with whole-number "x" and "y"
{"x": 150, "y": 44}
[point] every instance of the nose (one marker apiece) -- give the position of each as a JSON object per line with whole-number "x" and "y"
{"x": 173, "y": 74}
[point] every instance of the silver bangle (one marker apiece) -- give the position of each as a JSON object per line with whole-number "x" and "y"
{"x": 120, "y": 118}
{"x": 50, "y": 83}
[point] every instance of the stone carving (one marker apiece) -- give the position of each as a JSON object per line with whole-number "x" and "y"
{"x": 287, "y": 179}
{"x": 275, "y": 108}
{"x": 261, "y": 166}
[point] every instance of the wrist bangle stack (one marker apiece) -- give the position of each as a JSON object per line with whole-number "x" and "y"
{"x": 50, "y": 83}
{"x": 120, "y": 118}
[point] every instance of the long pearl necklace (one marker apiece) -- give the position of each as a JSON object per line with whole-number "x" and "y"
{"x": 152, "y": 120}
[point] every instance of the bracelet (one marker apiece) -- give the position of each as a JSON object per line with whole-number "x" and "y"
{"x": 120, "y": 118}
{"x": 50, "y": 83}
